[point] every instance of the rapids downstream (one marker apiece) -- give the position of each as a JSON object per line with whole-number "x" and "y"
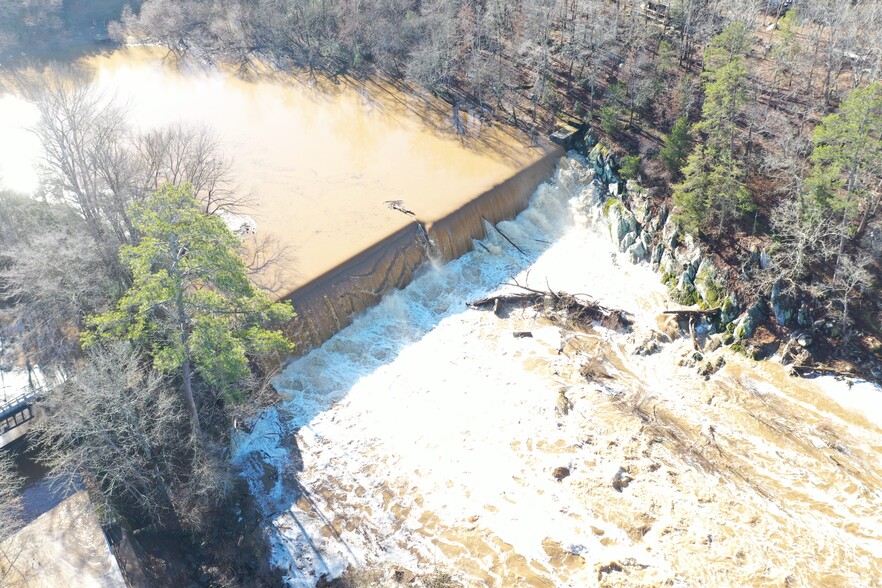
{"x": 424, "y": 436}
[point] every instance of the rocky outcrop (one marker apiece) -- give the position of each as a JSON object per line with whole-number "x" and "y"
{"x": 652, "y": 236}
{"x": 646, "y": 232}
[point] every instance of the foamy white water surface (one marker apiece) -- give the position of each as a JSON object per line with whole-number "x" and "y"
{"x": 426, "y": 435}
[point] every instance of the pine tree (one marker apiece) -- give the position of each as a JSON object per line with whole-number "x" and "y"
{"x": 676, "y": 147}
{"x": 712, "y": 191}
{"x": 847, "y": 160}
{"x": 191, "y": 305}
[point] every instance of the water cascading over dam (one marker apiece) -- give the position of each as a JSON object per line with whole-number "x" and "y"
{"x": 330, "y": 302}
{"x": 425, "y": 436}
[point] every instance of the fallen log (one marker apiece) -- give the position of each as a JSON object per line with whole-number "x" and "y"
{"x": 822, "y": 370}
{"x": 691, "y": 312}
{"x": 558, "y": 307}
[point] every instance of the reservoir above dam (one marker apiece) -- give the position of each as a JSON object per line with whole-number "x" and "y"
{"x": 318, "y": 160}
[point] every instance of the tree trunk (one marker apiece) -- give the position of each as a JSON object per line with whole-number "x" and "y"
{"x": 869, "y": 210}
{"x": 187, "y": 367}
{"x": 188, "y": 394}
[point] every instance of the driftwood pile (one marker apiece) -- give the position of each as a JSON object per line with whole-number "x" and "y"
{"x": 563, "y": 309}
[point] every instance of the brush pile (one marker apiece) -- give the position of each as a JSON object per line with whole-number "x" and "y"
{"x": 575, "y": 312}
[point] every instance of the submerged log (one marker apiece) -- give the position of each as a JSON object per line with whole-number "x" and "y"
{"x": 558, "y": 307}
{"x": 692, "y": 312}
{"x": 801, "y": 370}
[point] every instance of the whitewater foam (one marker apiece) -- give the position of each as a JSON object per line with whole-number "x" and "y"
{"x": 425, "y": 435}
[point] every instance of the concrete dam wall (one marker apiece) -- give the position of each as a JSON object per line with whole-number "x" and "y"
{"x": 330, "y": 302}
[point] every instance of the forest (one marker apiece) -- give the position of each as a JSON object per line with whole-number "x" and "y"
{"x": 759, "y": 122}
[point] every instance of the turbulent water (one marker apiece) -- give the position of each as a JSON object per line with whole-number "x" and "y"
{"x": 425, "y": 436}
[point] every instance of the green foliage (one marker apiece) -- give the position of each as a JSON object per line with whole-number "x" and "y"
{"x": 686, "y": 296}
{"x": 847, "y": 152}
{"x": 724, "y": 78}
{"x": 629, "y": 168}
{"x": 675, "y": 150}
{"x": 610, "y": 203}
{"x": 787, "y": 49}
{"x": 712, "y": 190}
{"x": 666, "y": 59}
{"x": 713, "y": 292}
{"x": 732, "y": 44}
{"x": 789, "y": 24}
{"x": 190, "y": 297}
{"x": 609, "y": 120}
{"x": 724, "y": 98}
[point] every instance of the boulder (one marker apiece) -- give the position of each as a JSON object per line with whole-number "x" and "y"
{"x": 782, "y": 305}
{"x": 670, "y": 234}
{"x": 621, "y": 479}
{"x": 714, "y": 342}
{"x": 802, "y": 338}
{"x": 707, "y": 284}
{"x": 560, "y": 473}
{"x": 637, "y": 252}
{"x": 622, "y": 223}
{"x": 804, "y": 315}
{"x": 661, "y": 218}
{"x": 749, "y": 321}
{"x": 657, "y": 254}
{"x": 729, "y": 309}
{"x": 684, "y": 291}
{"x": 590, "y": 141}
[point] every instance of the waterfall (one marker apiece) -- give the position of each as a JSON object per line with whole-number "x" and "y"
{"x": 425, "y": 434}
{"x": 330, "y": 302}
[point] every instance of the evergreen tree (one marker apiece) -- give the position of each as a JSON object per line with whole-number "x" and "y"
{"x": 676, "y": 147}
{"x": 191, "y": 304}
{"x": 712, "y": 191}
{"x": 724, "y": 99}
{"x": 847, "y": 159}
{"x": 629, "y": 169}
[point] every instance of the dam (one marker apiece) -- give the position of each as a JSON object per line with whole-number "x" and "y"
{"x": 317, "y": 161}
{"x": 428, "y": 436}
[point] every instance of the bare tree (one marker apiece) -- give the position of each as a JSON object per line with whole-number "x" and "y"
{"x": 10, "y": 498}
{"x": 850, "y": 282}
{"x": 121, "y": 429}
{"x": 806, "y": 239}
{"x": 188, "y": 154}
{"x": 51, "y": 276}
{"x": 11, "y": 515}
{"x": 81, "y": 131}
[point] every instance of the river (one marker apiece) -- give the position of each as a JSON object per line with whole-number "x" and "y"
{"x": 319, "y": 159}
{"x": 425, "y": 435}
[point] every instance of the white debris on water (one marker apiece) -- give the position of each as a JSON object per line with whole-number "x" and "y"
{"x": 426, "y": 434}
